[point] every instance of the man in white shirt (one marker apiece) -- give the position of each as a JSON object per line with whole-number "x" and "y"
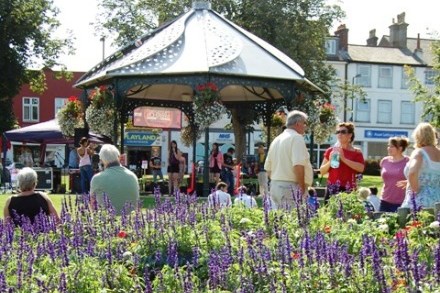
{"x": 220, "y": 198}
{"x": 243, "y": 199}
{"x": 288, "y": 162}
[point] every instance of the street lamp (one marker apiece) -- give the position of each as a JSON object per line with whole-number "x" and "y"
{"x": 352, "y": 96}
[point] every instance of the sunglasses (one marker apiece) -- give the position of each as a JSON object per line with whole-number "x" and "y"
{"x": 341, "y": 131}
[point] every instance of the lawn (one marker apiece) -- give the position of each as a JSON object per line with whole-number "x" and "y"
{"x": 148, "y": 201}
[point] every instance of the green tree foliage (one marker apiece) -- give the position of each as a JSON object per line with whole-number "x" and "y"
{"x": 26, "y": 41}
{"x": 430, "y": 97}
{"x": 296, "y": 27}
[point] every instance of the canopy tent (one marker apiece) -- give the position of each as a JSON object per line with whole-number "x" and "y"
{"x": 44, "y": 133}
{"x": 48, "y": 132}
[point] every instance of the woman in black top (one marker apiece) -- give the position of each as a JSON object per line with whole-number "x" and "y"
{"x": 28, "y": 203}
{"x": 173, "y": 167}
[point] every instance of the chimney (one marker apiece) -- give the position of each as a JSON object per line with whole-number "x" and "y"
{"x": 342, "y": 33}
{"x": 398, "y": 32}
{"x": 418, "y": 51}
{"x": 372, "y": 39}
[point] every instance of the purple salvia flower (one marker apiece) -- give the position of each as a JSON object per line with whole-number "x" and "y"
{"x": 414, "y": 206}
{"x": 63, "y": 283}
{"x": 416, "y": 269}
{"x": 437, "y": 264}
{"x": 147, "y": 282}
{"x": 340, "y": 212}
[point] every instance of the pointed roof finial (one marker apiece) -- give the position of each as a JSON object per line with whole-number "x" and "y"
{"x": 201, "y": 4}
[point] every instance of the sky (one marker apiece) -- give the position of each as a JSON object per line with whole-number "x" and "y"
{"x": 361, "y": 16}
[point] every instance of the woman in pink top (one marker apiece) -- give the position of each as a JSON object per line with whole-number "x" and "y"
{"x": 215, "y": 163}
{"x": 392, "y": 166}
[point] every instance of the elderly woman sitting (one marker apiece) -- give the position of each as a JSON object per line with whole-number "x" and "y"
{"x": 28, "y": 203}
{"x": 116, "y": 182}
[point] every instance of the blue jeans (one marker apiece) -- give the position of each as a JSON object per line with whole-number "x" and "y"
{"x": 228, "y": 178}
{"x": 157, "y": 172}
{"x": 86, "y": 173}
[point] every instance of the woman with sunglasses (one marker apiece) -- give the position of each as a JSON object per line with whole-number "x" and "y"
{"x": 351, "y": 162}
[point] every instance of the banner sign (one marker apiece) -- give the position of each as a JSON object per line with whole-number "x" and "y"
{"x": 157, "y": 117}
{"x": 141, "y": 138}
{"x": 385, "y": 134}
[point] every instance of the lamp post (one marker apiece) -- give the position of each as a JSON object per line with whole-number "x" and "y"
{"x": 102, "y": 39}
{"x": 352, "y": 96}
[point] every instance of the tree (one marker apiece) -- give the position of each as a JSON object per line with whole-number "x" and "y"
{"x": 430, "y": 97}
{"x": 296, "y": 27}
{"x": 26, "y": 41}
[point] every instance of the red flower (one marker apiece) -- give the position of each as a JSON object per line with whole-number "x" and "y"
{"x": 329, "y": 106}
{"x": 122, "y": 234}
{"x": 201, "y": 88}
{"x": 72, "y": 99}
{"x": 212, "y": 86}
{"x": 207, "y": 86}
{"x": 357, "y": 216}
{"x": 102, "y": 88}
{"x": 401, "y": 233}
{"x": 416, "y": 224}
{"x": 327, "y": 229}
{"x": 295, "y": 255}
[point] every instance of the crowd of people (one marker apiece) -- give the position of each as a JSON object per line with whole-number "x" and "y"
{"x": 408, "y": 181}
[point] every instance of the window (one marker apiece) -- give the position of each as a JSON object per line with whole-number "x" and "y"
{"x": 385, "y": 77}
{"x": 59, "y": 103}
{"x": 429, "y": 76}
{"x": 365, "y": 75}
{"x": 330, "y": 47}
{"x": 362, "y": 111}
{"x": 404, "y": 81}
{"x": 407, "y": 110}
{"x": 31, "y": 111}
{"x": 384, "y": 111}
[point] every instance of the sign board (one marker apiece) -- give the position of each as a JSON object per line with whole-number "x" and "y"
{"x": 144, "y": 164}
{"x": 45, "y": 178}
{"x": 223, "y": 137}
{"x": 141, "y": 138}
{"x": 384, "y": 134}
{"x": 157, "y": 117}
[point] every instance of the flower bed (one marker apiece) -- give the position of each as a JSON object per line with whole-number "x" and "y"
{"x": 186, "y": 247}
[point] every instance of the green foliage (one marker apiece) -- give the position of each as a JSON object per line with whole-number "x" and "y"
{"x": 26, "y": 41}
{"x": 430, "y": 97}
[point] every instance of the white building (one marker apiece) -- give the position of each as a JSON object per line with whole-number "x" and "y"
{"x": 389, "y": 109}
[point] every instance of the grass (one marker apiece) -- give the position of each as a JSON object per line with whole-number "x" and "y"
{"x": 148, "y": 201}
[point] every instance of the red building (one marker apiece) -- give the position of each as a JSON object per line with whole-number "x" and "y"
{"x": 31, "y": 108}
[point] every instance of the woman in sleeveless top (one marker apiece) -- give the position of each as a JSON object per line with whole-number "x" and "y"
{"x": 173, "y": 167}
{"x": 28, "y": 204}
{"x": 394, "y": 180}
{"x": 85, "y": 151}
{"x": 423, "y": 169}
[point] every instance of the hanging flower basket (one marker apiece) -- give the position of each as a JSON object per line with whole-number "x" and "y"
{"x": 71, "y": 116}
{"x": 207, "y": 105}
{"x": 100, "y": 114}
{"x": 188, "y": 135}
{"x": 325, "y": 125}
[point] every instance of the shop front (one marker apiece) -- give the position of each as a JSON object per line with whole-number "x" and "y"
{"x": 140, "y": 147}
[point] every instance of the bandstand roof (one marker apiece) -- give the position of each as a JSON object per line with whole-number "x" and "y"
{"x": 197, "y": 44}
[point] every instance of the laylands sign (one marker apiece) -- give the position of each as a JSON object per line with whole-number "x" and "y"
{"x": 141, "y": 138}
